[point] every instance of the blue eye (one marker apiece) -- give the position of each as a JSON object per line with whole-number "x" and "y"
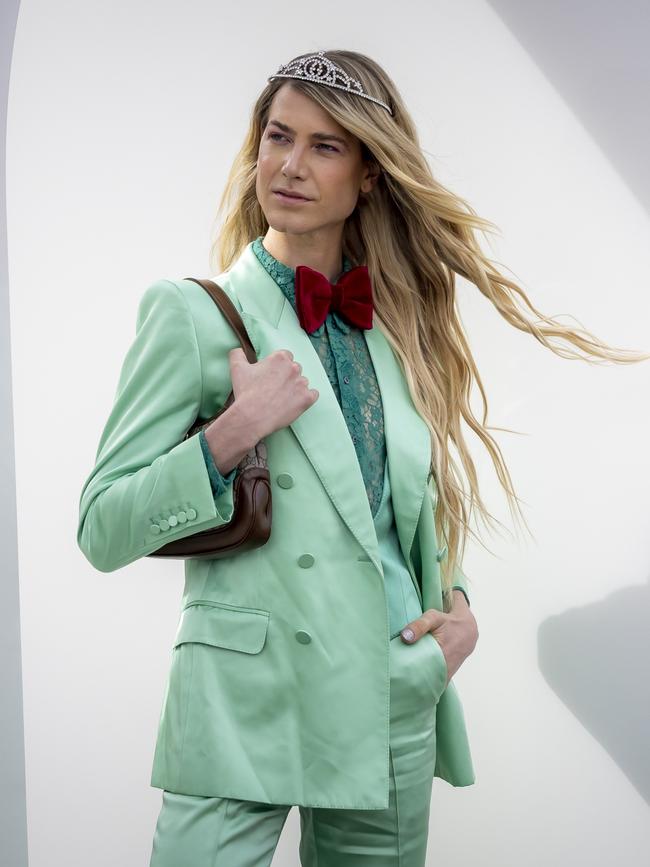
{"x": 272, "y": 135}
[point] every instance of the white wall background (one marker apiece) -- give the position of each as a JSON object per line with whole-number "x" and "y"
{"x": 123, "y": 120}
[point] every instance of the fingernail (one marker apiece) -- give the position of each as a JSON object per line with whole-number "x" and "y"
{"x": 408, "y": 634}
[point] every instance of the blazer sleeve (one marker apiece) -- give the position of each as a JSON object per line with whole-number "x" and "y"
{"x": 149, "y": 485}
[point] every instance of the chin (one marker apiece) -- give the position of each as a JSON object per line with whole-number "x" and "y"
{"x": 283, "y": 223}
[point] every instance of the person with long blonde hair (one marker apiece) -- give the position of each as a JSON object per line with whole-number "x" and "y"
{"x": 316, "y": 670}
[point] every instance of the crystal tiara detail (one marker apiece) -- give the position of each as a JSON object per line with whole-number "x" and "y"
{"x": 322, "y": 70}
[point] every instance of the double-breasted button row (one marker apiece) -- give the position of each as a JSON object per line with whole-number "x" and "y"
{"x": 285, "y": 480}
{"x": 180, "y": 517}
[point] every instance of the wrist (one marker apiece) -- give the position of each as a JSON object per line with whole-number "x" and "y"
{"x": 229, "y": 437}
{"x": 243, "y": 420}
{"x": 460, "y": 603}
{"x": 463, "y": 614}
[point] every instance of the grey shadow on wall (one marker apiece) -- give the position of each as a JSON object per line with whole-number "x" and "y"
{"x": 595, "y": 659}
{"x": 595, "y": 54}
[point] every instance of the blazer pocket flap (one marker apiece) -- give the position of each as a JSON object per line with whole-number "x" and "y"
{"x": 222, "y": 625}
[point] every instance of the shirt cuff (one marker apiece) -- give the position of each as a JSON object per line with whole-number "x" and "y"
{"x": 218, "y": 481}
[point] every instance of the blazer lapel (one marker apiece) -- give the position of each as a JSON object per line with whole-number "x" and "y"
{"x": 321, "y": 430}
{"x": 408, "y": 442}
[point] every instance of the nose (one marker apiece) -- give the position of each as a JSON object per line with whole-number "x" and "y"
{"x": 294, "y": 163}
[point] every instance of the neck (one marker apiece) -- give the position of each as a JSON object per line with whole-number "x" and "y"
{"x": 317, "y": 252}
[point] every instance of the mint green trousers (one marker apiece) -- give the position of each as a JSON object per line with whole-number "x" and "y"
{"x": 223, "y": 832}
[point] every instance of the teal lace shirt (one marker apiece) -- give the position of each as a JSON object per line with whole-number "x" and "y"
{"x": 344, "y": 354}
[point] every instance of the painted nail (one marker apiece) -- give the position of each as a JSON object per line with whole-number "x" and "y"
{"x": 408, "y": 634}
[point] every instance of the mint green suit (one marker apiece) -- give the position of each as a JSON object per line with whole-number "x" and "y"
{"x": 279, "y": 690}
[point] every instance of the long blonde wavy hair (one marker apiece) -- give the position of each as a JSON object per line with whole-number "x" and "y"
{"x": 414, "y": 235}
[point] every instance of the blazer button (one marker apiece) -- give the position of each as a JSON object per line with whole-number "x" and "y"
{"x": 303, "y": 637}
{"x": 173, "y": 520}
{"x": 164, "y": 525}
{"x": 191, "y": 514}
{"x": 155, "y": 529}
{"x": 182, "y": 517}
{"x": 306, "y": 560}
{"x": 285, "y": 480}
{"x": 441, "y": 553}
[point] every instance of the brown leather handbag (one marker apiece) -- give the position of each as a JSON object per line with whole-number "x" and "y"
{"x": 250, "y": 525}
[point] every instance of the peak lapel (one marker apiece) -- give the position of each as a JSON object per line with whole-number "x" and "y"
{"x": 408, "y": 442}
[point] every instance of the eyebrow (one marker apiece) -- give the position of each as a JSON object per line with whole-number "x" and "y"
{"x": 321, "y": 136}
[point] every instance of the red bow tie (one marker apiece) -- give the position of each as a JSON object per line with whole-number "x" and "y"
{"x": 316, "y": 296}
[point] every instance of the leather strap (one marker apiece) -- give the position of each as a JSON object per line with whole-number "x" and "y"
{"x": 222, "y": 300}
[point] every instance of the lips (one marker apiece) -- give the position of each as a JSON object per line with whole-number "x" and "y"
{"x": 287, "y": 195}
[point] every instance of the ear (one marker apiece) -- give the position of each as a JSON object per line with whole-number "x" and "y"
{"x": 370, "y": 176}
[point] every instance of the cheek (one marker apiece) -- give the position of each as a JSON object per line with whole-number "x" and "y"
{"x": 263, "y": 174}
{"x": 262, "y": 164}
{"x": 341, "y": 189}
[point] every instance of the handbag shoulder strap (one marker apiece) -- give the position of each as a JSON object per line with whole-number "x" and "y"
{"x": 223, "y": 302}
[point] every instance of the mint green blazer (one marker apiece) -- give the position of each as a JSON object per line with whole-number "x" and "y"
{"x": 278, "y": 685}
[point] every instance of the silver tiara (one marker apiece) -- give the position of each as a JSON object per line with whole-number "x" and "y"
{"x": 322, "y": 70}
